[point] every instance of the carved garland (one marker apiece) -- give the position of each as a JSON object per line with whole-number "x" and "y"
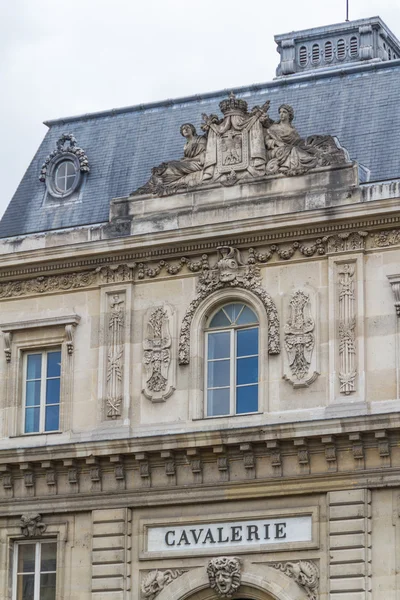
{"x": 61, "y": 150}
{"x": 229, "y": 272}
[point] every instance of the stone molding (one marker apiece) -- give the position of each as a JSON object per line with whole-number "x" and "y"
{"x": 108, "y": 270}
{"x": 68, "y": 321}
{"x": 135, "y": 471}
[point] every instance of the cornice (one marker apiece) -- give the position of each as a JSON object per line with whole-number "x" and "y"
{"x": 194, "y": 240}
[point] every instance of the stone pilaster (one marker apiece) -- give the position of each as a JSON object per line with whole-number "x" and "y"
{"x": 111, "y": 550}
{"x": 350, "y": 545}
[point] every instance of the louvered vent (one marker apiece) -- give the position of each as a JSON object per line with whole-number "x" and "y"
{"x": 353, "y": 46}
{"x": 328, "y": 51}
{"x": 315, "y": 53}
{"x": 303, "y": 56}
{"x": 341, "y": 49}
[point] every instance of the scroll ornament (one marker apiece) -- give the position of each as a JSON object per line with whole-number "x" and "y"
{"x": 157, "y": 356}
{"x": 299, "y": 338}
{"x": 224, "y": 575}
{"x": 304, "y": 572}
{"x": 155, "y": 581}
{"x": 242, "y": 146}
{"x": 230, "y": 272}
{"x": 32, "y": 526}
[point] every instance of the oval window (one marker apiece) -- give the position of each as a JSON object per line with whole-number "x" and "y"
{"x": 65, "y": 176}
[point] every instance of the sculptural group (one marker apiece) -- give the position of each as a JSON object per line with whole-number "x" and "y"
{"x": 242, "y": 145}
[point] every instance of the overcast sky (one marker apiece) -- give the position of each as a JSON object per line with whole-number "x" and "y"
{"x": 59, "y": 58}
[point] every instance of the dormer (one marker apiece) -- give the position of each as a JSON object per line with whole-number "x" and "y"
{"x": 335, "y": 46}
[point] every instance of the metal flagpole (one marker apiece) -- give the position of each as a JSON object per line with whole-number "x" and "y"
{"x": 347, "y": 10}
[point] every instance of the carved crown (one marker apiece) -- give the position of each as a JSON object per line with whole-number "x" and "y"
{"x": 233, "y": 105}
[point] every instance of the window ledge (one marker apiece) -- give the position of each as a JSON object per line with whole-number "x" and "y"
{"x": 227, "y": 416}
{"x": 34, "y": 323}
{"x": 35, "y": 434}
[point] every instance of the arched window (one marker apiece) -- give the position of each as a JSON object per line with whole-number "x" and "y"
{"x": 232, "y": 356}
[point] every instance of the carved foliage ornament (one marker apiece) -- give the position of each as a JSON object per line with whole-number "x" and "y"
{"x": 229, "y": 271}
{"x": 66, "y": 146}
{"x": 155, "y": 581}
{"x": 157, "y": 356}
{"x": 242, "y": 145}
{"x": 115, "y": 355}
{"x": 347, "y": 329}
{"x": 31, "y": 525}
{"x": 224, "y": 575}
{"x": 304, "y": 572}
{"x": 299, "y": 336}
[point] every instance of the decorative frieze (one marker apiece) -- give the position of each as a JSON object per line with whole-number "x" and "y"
{"x": 157, "y": 355}
{"x": 345, "y": 241}
{"x": 224, "y": 574}
{"x": 300, "y": 341}
{"x": 155, "y": 581}
{"x": 115, "y": 355}
{"x": 304, "y": 572}
{"x": 347, "y": 328}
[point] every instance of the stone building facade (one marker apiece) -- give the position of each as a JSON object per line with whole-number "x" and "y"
{"x": 200, "y": 376}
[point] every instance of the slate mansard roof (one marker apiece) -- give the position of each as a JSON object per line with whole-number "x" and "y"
{"x": 360, "y": 104}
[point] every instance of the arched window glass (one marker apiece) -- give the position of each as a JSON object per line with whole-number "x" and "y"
{"x": 65, "y": 176}
{"x": 232, "y": 361}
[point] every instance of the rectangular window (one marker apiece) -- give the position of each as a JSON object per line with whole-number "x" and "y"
{"x": 42, "y": 375}
{"x": 232, "y": 372}
{"x": 35, "y": 571}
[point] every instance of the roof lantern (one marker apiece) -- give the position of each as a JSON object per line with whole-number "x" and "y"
{"x": 343, "y": 44}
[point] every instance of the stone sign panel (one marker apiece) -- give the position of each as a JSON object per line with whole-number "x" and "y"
{"x": 247, "y": 534}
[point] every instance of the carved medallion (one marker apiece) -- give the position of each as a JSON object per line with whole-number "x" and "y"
{"x": 224, "y": 575}
{"x": 300, "y": 340}
{"x": 157, "y": 355}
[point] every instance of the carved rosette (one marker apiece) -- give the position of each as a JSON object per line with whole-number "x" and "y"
{"x": 229, "y": 271}
{"x": 224, "y": 575}
{"x": 300, "y": 341}
{"x": 158, "y": 384}
{"x": 155, "y": 581}
{"x": 32, "y": 526}
{"x": 347, "y": 329}
{"x": 115, "y": 355}
{"x": 304, "y": 572}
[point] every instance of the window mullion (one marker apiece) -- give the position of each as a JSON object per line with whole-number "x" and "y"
{"x": 37, "y": 572}
{"x": 233, "y": 371}
{"x": 43, "y": 391}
